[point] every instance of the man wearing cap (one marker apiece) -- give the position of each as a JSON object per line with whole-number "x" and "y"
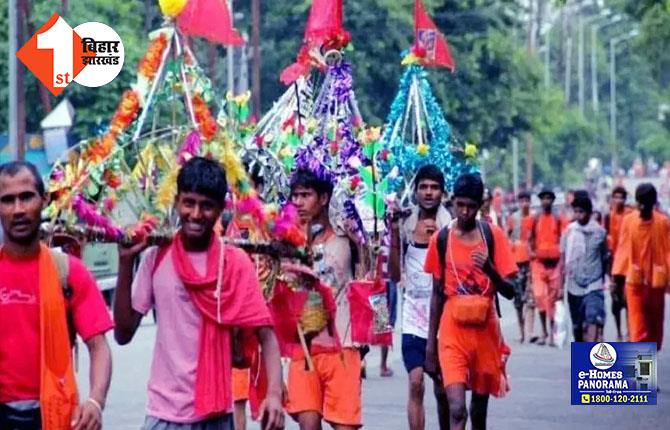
{"x": 546, "y": 272}
{"x": 519, "y": 227}
{"x": 583, "y": 266}
{"x": 643, "y": 258}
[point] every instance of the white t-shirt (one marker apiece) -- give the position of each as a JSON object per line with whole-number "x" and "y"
{"x": 418, "y": 290}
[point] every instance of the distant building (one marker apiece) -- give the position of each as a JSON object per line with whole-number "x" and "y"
{"x": 45, "y": 149}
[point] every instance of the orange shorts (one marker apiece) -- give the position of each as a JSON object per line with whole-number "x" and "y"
{"x": 333, "y": 389}
{"x": 240, "y": 384}
{"x": 546, "y": 283}
{"x": 472, "y": 355}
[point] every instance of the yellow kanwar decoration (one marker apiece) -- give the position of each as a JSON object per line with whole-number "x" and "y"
{"x": 172, "y": 8}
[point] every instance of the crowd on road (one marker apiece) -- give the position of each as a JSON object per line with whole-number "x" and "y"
{"x": 222, "y": 344}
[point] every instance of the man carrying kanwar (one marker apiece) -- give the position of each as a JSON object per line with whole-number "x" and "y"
{"x": 202, "y": 289}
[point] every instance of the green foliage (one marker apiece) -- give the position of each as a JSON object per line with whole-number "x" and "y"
{"x": 495, "y": 95}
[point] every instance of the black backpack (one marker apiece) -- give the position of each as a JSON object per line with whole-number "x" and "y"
{"x": 443, "y": 238}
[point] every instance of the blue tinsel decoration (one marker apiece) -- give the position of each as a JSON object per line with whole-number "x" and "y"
{"x": 404, "y": 152}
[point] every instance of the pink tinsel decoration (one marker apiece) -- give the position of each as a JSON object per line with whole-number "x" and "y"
{"x": 189, "y": 147}
{"x": 88, "y": 213}
{"x": 286, "y": 226}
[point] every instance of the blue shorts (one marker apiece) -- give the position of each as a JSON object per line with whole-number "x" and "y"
{"x": 413, "y": 351}
{"x": 587, "y": 309}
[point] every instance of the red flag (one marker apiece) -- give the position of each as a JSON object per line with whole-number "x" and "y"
{"x": 209, "y": 19}
{"x": 324, "y": 30}
{"x": 325, "y": 19}
{"x": 429, "y": 40}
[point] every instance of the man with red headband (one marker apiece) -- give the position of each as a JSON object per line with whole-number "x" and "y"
{"x": 201, "y": 290}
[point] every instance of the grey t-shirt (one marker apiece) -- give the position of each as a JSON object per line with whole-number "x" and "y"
{"x": 585, "y": 250}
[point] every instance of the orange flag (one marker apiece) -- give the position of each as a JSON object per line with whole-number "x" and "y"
{"x": 209, "y": 19}
{"x": 429, "y": 42}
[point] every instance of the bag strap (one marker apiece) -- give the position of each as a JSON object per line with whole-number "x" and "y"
{"x": 62, "y": 262}
{"x": 160, "y": 256}
{"x": 490, "y": 244}
{"x": 442, "y": 239}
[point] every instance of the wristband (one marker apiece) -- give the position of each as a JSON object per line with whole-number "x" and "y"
{"x": 95, "y": 403}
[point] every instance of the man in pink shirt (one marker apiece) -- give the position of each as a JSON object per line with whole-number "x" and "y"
{"x": 200, "y": 289}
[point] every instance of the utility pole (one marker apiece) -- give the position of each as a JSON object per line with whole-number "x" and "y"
{"x": 613, "y": 108}
{"x": 594, "y": 64}
{"x": 256, "y": 56}
{"x": 568, "y": 68}
{"x": 515, "y": 165}
{"x": 580, "y": 63}
{"x": 529, "y": 137}
{"x": 13, "y": 90}
{"x": 17, "y": 110}
{"x": 230, "y": 54}
{"x": 594, "y": 69}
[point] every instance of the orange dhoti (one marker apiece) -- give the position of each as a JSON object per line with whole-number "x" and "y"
{"x": 546, "y": 283}
{"x": 472, "y": 355}
{"x": 646, "y": 307}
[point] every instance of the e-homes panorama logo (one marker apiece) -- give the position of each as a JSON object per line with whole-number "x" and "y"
{"x": 603, "y": 355}
{"x": 91, "y": 54}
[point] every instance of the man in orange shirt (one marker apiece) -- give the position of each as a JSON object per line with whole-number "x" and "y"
{"x": 519, "y": 227}
{"x": 464, "y": 330}
{"x": 612, "y": 224}
{"x": 643, "y": 258}
{"x": 546, "y": 253}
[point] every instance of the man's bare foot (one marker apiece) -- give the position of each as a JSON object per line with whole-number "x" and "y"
{"x": 619, "y": 338}
{"x": 542, "y": 341}
{"x": 386, "y": 373}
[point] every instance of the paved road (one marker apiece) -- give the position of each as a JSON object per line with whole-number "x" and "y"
{"x": 540, "y": 396}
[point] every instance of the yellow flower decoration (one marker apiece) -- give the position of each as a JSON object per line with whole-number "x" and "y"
{"x": 422, "y": 149}
{"x": 470, "y": 150}
{"x": 410, "y": 59}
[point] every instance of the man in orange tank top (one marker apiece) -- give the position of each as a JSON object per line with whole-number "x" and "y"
{"x": 465, "y": 345}
{"x": 519, "y": 227}
{"x": 546, "y": 254}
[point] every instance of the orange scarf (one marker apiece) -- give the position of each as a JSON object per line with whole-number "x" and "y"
{"x": 58, "y": 389}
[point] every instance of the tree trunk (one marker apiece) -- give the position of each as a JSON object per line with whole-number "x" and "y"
{"x": 256, "y": 54}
